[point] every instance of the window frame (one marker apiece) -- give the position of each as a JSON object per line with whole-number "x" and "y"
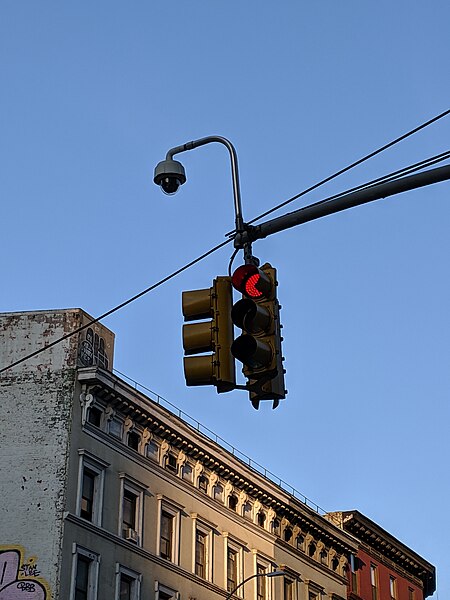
{"x": 98, "y": 467}
{"x": 393, "y": 587}
{"x": 374, "y": 581}
{"x": 238, "y": 550}
{"x": 134, "y": 487}
{"x": 174, "y": 510}
{"x": 207, "y": 529}
{"x": 94, "y": 561}
{"x": 159, "y": 587}
{"x": 130, "y": 574}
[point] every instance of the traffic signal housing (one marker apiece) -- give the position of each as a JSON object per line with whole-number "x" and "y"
{"x": 259, "y": 345}
{"x": 213, "y": 335}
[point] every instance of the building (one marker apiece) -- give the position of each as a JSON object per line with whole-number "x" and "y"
{"x": 111, "y": 496}
{"x": 384, "y": 568}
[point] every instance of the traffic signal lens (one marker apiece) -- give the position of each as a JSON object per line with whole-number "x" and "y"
{"x": 251, "y": 286}
{"x": 251, "y": 281}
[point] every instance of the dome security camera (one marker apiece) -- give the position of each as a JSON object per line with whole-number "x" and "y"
{"x": 169, "y": 174}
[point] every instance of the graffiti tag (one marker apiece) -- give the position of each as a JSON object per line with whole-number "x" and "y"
{"x": 17, "y": 578}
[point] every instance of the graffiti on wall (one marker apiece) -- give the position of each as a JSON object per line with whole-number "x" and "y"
{"x": 20, "y": 578}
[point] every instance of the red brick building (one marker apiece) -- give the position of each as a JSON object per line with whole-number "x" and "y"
{"x": 384, "y": 568}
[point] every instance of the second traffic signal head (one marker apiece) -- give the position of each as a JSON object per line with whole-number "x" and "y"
{"x": 259, "y": 346}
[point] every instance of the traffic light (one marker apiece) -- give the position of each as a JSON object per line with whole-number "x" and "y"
{"x": 214, "y": 335}
{"x": 259, "y": 346}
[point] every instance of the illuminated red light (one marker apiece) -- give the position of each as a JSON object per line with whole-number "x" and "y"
{"x": 251, "y": 286}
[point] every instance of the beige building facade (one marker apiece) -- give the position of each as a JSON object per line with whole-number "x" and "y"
{"x": 112, "y": 496}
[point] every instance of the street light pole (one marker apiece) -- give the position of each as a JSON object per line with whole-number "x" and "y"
{"x": 255, "y": 575}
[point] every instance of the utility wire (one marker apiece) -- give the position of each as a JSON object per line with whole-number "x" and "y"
{"x": 428, "y": 162}
{"x": 352, "y": 165}
{"x": 116, "y": 308}
{"x": 215, "y": 248}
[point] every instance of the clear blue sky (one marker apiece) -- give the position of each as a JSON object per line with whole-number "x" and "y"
{"x": 92, "y": 96}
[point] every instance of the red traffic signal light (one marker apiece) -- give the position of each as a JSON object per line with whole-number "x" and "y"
{"x": 258, "y": 348}
{"x": 251, "y": 282}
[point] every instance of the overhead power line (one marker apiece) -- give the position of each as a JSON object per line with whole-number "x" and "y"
{"x": 116, "y": 308}
{"x": 352, "y": 165}
{"x": 222, "y": 244}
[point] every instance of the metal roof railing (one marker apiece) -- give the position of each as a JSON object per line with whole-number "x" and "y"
{"x": 199, "y": 427}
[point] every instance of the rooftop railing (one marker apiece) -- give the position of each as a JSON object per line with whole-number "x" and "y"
{"x": 255, "y": 466}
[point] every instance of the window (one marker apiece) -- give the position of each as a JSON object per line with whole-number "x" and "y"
{"x": 87, "y": 494}
{"x": 232, "y": 558}
{"x": 335, "y": 566}
{"x": 115, "y": 428}
{"x": 218, "y": 492}
{"x": 312, "y": 549}
{"x": 203, "y": 484}
{"x": 299, "y": 541}
{"x": 287, "y": 534}
{"x": 90, "y": 487}
{"x": 130, "y": 502}
{"x": 166, "y": 537}
{"x": 186, "y": 472}
{"x": 171, "y": 463}
{"x": 353, "y": 572}
{"x": 261, "y": 571}
{"x": 133, "y": 440}
{"x": 95, "y": 416}
{"x": 411, "y": 594}
{"x": 82, "y": 578}
{"x": 84, "y": 574}
{"x": 127, "y": 583}
{"x": 393, "y": 587}
{"x": 247, "y": 510}
{"x": 288, "y": 589}
{"x": 165, "y": 593}
{"x": 130, "y": 520}
{"x": 233, "y": 563}
{"x": 374, "y": 581}
{"x": 153, "y": 450}
{"x": 276, "y": 527}
{"x": 324, "y": 557}
{"x": 232, "y": 502}
{"x": 200, "y": 553}
{"x": 168, "y": 533}
{"x": 261, "y": 518}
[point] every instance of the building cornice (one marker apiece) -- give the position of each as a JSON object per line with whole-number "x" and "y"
{"x": 375, "y": 539}
{"x": 112, "y": 390}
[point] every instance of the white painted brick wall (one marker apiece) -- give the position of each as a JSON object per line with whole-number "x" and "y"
{"x": 35, "y": 414}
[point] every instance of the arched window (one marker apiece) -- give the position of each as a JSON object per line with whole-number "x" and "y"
{"x": 247, "y": 510}
{"x": 203, "y": 482}
{"x": 232, "y": 502}
{"x": 335, "y": 564}
{"x": 276, "y": 527}
{"x": 287, "y": 534}
{"x": 133, "y": 440}
{"x": 323, "y": 556}
{"x": 299, "y": 541}
{"x": 261, "y": 518}
{"x": 218, "y": 492}
{"x": 186, "y": 472}
{"x": 311, "y": 549}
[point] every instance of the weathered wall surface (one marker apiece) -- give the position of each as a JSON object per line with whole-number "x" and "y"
{"x": 35, "y": 414}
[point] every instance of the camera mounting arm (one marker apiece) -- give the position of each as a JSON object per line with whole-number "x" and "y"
{"x": 170, "y": 172}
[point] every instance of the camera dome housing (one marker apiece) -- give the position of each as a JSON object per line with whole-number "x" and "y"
{"x": 169, "y": 174}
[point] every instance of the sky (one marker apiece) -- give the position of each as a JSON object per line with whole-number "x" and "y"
{"x": 93, "y": 94}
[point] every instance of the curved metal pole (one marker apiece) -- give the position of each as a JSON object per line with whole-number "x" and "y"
{"x": 273, "y": 574}
{"x": 239, "y": 219}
